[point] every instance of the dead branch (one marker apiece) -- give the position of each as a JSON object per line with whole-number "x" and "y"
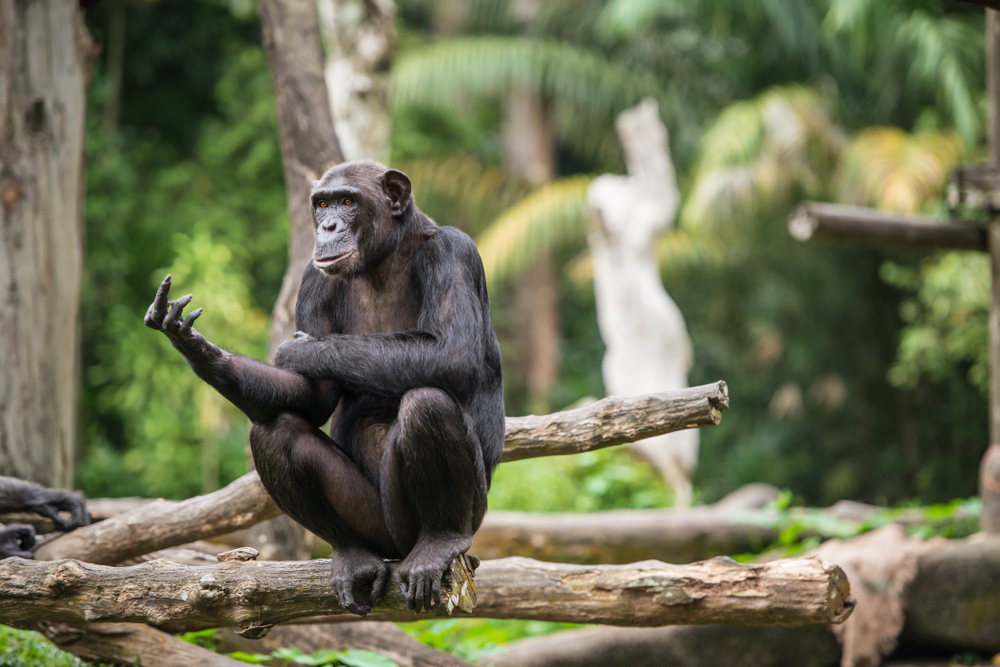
{"x": 163, "y": 524}
{"x": 253, "y": 596}
{"x": 812, "y": 220}
{"x": 614, "y": 421}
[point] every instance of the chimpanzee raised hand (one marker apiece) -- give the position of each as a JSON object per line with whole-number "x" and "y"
{"x": 397, "y": 343}
{"x": 17, "y": 495}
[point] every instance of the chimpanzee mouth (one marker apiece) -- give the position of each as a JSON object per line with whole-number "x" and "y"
{"x": 327, "y": 262}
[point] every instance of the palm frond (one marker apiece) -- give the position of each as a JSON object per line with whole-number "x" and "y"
{"x": 550, "y": 217}
{"x": 944, "y": 55}
{"x": 888, "y": 168}
{"x": 759, "y": 151}
{"x": 455, "y": 69}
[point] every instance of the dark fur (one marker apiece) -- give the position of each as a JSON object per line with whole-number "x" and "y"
{"x": 397, "y": 344}
{"x": 17, "y": 495}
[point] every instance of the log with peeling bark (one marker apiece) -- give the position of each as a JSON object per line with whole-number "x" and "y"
{"x": 244, "y": 502}
{"x": 163, "y": 524}
{"x": 253, "y": 596}
{"x": 613, "y": 421}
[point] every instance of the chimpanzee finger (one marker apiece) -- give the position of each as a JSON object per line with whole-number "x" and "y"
{"x": 404, "y": 584}
{"x": 158, "y": 309}
{"x": 437, "y": 591}
{"x": 177, "y": 310}
{"x": 428, "y": 594}
{"x": 76, "y": 506}
{"x": 189, "y": 320}
{"x": 378, "y": 585}
{"x": 417, "y": 591}
{"x": 51, "y": 512}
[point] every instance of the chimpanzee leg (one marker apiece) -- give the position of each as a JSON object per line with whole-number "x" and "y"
{"x": 433, "y": 486}
{"x": 318, "y": 485}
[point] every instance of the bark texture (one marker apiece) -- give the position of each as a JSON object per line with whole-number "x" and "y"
{"x": 838, "y": 222}
{"x": 614, "y": 421}
{"x": 253, "y": 596}
{"x": 648, "y": 348}
{"x": 360, "y": 40}
{"x": 44, "y": 64}
{"x": 131, "y": 644}
{"x": 163, "y": 523}
{"x": 386, "y": 638}
{"x": 679, "y": 646}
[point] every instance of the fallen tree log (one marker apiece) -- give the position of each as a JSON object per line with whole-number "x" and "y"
{"x": 163, "y": 524}
{"x": 951, "y": 605}
{"x": 253, "y": 596}
{"x": 131, "y": 644}
{"x": 385, "y": 638}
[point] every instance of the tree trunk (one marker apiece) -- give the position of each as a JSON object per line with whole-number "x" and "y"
{"x": 360, "y": 40}
{"x": 44, "y": 64}
{"x": 309, "y": 147}
{"x": 530, "y": 154}
{"x": 648, "y": 348}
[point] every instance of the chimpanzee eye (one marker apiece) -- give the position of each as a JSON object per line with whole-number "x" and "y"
{"x": 322, "y": 203}
{"x": 348, "y": 201}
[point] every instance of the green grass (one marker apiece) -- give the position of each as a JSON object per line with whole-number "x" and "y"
{"x": 19, "y": 648}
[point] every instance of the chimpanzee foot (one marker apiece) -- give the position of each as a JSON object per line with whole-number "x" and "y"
{"x": 419, "y": 575}
{"x": 358, "y": 578}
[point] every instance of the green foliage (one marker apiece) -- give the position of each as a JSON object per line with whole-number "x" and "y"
{"x": 947, "y": 319}
{"x": 598, "y": 480}
{"x": 329, "y": 657}
{"x": 20, "y": 648}
{"x": 476, "y": 639}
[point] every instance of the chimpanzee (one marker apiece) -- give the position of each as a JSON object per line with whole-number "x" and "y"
{"x": 17, "y": 495}
{"x": 396, "y": 347}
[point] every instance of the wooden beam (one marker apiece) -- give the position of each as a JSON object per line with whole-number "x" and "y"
{"x": 253, "y": 596}
{"x": 837, "y": 222}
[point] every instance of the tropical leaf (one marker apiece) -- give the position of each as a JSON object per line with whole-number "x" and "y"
{"x": 888, "y": 168}
{"x": 552, "y": 216}
{"x": 758, "y": 152}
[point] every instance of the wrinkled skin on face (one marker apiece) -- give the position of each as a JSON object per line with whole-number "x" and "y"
{"x": 347, "y": 243}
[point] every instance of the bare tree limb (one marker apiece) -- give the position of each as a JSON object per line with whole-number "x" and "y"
{"x": 253, "y": 596}
{"x": 614, "y": 421}
{"x": 163, "y": 524}
{"x": 812, "y": 220}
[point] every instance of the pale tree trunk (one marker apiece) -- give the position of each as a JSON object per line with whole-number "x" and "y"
{"x": 309, "y": 147}
{"x": 44, "y": 64}
{"x": 360, "y": 43}
{"x": 530, "y": 154}
{"x": 648, "y": 348}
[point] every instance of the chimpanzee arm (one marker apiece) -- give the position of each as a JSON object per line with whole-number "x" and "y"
{"x": 17, "y": 495}
{"x": 260, "y": 390}
{"x": 447, "y": 349}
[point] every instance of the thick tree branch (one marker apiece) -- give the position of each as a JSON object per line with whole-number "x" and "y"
{"x": 812, "y": 220}
{"x": 163, "y": 524}
{"x": 256, "y": 595}
{"x": 614, "y": 421}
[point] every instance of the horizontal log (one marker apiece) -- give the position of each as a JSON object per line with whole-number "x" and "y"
{"x": 614, "y": 421}
{"x": 162, "y": 524}
{"x": 812, "y": 220}
{"x": 253, "y": 596}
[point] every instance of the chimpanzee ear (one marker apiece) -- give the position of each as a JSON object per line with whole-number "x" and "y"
{"x": 397, "y": 189}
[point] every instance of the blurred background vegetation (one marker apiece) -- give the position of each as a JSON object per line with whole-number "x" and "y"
{"x": 854, "y": 373}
